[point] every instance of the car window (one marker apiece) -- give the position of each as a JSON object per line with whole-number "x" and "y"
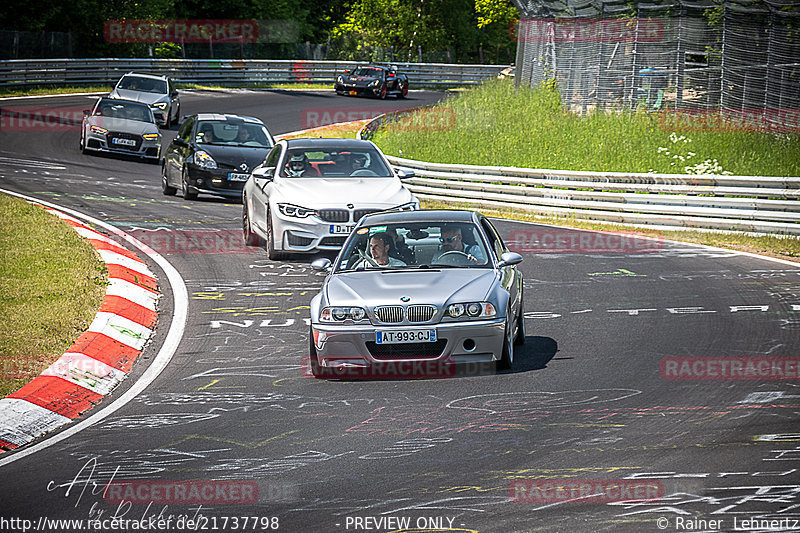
{"x": 334, "y": 162}
{"x": 494, "y": 238}
{"x": 370, "y": 72}
{"x": 272, "y": 158}
{"x": 124, "y": 110}
{"x": 414, "y": 245}
{"x": 142, "y": 84}
{"x": 185, "y": 132}
{"x": 233, "y": 133}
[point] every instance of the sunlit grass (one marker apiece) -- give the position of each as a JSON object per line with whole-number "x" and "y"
{"x": 51, "y": 286}
{"x": 495, "y": 124}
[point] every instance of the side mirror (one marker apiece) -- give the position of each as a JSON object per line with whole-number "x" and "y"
{"x": 264, "y": 173}
{"x": 323, "y": 264}
{"x": 174, "y": 92}
{"x": 405, "y": 173}
{"x": 180, "y": 141}
{"x": 509, "y": 258}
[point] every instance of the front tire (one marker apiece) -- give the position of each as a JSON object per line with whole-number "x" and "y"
{"x": 382, "y": 94}
{"x": 185, "y": 192}
{"x": 250, "y": 238}
{"x": 519, "y": 339}
{"x": 507, "y": 358}
{"x": 166, "y": 189}
{"x": 272, "y": 253}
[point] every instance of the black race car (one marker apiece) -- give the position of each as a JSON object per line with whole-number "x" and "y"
{"x": 373, "y": 80}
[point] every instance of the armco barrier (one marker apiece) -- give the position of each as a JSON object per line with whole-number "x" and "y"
{"x": 243, "y": 72}
{"x": 737, "y": 203}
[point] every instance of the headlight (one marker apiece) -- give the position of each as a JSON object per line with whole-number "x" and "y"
{"x": 410, "y": 206}
{"x": 150, "y": 136}
{"x": 290, "y": 210}
{"x": 161, "y": 105}
{"x": 204, "y": 160}
{"x": 472, "y": 310}
{"x": 374, "y": 83}
{"x": 339, "y": 80}
{"x": 99, "y": 130}
{"x": 340, "y": 314}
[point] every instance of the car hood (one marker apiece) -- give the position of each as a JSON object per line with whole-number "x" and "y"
{"x": 321, "y": 193}
{"x": 138, "y": 96}
{"x": 233, "y": 156}
{"x": 359, "y": 81}
{"x": 438, "y": 287}
{"x": 123, "y": 124}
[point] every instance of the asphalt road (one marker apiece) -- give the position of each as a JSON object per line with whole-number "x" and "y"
{"x": 588, "y": 404}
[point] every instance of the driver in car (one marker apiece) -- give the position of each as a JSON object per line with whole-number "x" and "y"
{"x": 299, "y": 166}
{"x": 357, "y": 162}
{"x": 453, "y": 241}
{"x": 379, "y": 246}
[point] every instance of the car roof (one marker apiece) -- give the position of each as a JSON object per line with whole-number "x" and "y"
{"x": 424, "y": 215}
{"x": 339, "y": 144}
{"x": 226, "y": 117}
{"x": 116, "y": 100}
{"x": 146, "y": 75}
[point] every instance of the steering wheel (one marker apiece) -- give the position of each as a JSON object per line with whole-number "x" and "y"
{"x": 455, "y": 258}
{"x": 363, "y": 172}
{"x": 364, "y": 257}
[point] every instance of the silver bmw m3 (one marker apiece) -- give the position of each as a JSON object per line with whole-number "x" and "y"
{"x": 417, "y": 292}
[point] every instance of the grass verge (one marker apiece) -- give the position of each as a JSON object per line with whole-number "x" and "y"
{"x": 51, "y": 285}
{"x": 495, "y": 124}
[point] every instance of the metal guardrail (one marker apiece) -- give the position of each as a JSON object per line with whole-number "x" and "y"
{"x": 738, "y": 203}
{"x": 23, "y": 73}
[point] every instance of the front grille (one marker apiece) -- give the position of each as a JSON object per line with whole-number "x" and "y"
{"x": 420, "y": 313}
{"x": 297, "y": 240}
{"x": 123, "y": 135}
{"x": 334, "y": 215}
{"x": 407, "y": 350}
{"x": 358, "y": 213}
{"x": 389, "y": 313}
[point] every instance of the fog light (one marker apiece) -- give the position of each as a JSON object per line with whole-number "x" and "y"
{"x": 216, "y": 181}
{"x": 469, "y": 345}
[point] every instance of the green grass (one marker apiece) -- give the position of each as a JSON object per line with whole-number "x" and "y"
{"x": 494, "y": 124}
{"x": 36, "y": 91}
{"x": 51, "y": 285}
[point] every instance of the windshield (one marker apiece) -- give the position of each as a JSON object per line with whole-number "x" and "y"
{"x": 413, "y": 246}
{"x": 370, "y": 72}
{"x": 332, "y": 163}
{"x": 221, "y": 132}
{"x": 145, "y": 85}
{"x": 124, "y": 110}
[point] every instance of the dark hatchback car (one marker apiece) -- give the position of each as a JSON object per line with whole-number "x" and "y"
{"x": 214, "y": 154}
{"x": 373, "y": 80}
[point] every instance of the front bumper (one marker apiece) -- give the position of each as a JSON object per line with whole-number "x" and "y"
{"x": 355, "y": 90}
{"x": 478, "y": 341}
{"x": 141, "y": 148}
{"x": 306, "y": 235}
{"x": 214, "y": 181}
